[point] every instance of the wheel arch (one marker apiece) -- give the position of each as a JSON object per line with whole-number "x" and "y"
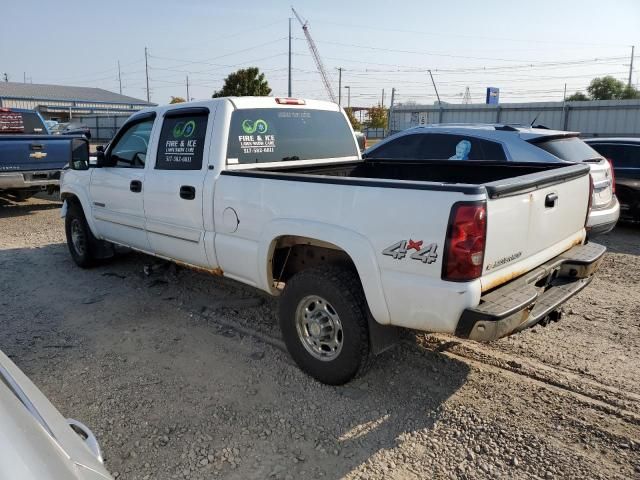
{"x": 341, "y": 245}
{"x": 72, "y": 196}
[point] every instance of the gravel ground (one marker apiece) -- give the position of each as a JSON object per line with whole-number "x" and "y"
{"x": 182, "y": 375}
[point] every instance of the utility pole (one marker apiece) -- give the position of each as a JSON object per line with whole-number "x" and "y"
{"x": 564, "y": 95}
{"x": 146, "y": 70}
{"x": 393, "y": 97}
{"x": 5, "y": 75}
{"x": 188, "y": 98}
{"x": 339, "y": 86}
{"x": 24, "y": 76}
{"x": 119, "y": 77}
{"x": 348, "y": 95}
{"x": 631, "y": 65}
{"x": 382, "y": 104}
{"x": 435, "y": 88}
{"x": 289, "y": 91}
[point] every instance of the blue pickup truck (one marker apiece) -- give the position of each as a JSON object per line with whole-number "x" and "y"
{"x": 31, "y": 160}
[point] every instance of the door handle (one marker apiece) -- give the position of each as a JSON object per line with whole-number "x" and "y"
{"x": 36, "y": 146}
{"x": 550, "y": 200}
{"x": 135, "y": 186}
{"x": 187, "y": 192}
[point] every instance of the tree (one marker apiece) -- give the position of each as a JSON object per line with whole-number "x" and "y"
{"x": 377, "y": 117}
{"x": 177, "y": 100}
{"x": 630, "y": 93}
{"x": 245, "y": 82}
{"x": 577, "y": 97}
{"x": 355, "y": 124}
{"x": 606, "y": 88}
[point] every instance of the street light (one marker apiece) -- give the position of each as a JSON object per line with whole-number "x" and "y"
{"x": 348, "y": 95}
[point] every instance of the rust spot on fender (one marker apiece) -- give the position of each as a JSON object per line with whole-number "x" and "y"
{"x": 210, "y": 271}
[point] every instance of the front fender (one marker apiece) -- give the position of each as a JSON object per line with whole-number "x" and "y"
{"x": 72, "y": 190}
{"x": 354, "y": 244}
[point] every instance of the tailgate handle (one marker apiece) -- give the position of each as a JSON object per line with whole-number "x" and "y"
{"x": 37, "y": 146}
{"x": 550, "y": 200}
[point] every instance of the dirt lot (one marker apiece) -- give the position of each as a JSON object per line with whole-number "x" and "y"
{"x": 182, "y": 375}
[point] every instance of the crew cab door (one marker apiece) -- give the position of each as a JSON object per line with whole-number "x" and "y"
{"x": 117, "y": 187}
{"x": 173, "y": 194}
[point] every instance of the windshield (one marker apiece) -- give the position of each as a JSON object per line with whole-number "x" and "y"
{"x": 570, "y": 149}
{"x": 262, "y": 135}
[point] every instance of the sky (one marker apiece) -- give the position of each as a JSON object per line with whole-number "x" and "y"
{"x": 529, "y": 50}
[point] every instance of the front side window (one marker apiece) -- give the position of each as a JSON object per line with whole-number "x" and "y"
{"x": 130, "y": 150}
{"x": 260, "y": 135}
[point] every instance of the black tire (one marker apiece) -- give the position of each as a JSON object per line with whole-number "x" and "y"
{"x": 343, "y": 293}
{"x": 22, "y": 195}
{"x": 82, "y": 249}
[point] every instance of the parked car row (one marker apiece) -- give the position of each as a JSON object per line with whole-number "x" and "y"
{"x": 624, "y": 155}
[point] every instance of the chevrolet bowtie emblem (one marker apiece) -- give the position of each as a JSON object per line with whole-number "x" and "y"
{"x": 38, "y": 155}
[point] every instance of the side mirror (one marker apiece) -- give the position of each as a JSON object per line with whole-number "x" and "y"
{"x": 100, "y": 148}
{"x": 79, "y": 154}
{"x": 101, "y": 159}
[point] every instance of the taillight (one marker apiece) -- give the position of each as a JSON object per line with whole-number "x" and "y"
{"x": 465, "y": 243}
{"x": 586, "y": 219}
{"x": 613, "y": 176}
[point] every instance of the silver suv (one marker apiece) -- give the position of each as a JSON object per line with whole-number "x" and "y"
{"x": 495, "y": 142}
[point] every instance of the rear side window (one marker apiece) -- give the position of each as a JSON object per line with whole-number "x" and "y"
{"x": 181, "y": 144}
{"x": 439, "y": 146}
{"x": 21, "y": 122}
{"x": 570, "y": 149}
{"x": 277, "y": 134}
{"x": 623, "y": 156}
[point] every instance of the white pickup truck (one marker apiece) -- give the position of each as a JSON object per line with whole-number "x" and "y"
{"x": 272, "y": 192}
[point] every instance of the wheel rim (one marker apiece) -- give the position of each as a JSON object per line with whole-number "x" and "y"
{"x": 77, "y": 237}
{"x": 319, "y": 328}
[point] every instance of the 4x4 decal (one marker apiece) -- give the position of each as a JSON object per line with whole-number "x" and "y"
{"x": 399, "y": 250}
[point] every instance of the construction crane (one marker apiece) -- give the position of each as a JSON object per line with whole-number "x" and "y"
{"x": 316, "y": 56}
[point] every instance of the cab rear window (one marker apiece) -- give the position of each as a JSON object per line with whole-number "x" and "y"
{"x": 263, "y": 135}
{"x": 570, "y": 149}
{"x": 21, "y": 122}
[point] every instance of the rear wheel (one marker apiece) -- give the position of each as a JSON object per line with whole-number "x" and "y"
{"x": 22, "y": 195}
{"x": 80, "y": 240}
{"x": 323, "y": 318}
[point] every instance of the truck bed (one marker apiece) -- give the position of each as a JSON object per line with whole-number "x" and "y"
{"x": 496, "y": 178}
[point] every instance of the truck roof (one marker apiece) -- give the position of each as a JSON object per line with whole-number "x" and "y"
{"x": 252, "y": 102}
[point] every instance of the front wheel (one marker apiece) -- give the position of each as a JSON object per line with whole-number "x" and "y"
{"x": 323, "y": 318}
{"x": 80, "y": 240}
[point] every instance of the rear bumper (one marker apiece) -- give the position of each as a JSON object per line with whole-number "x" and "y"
{"x": 604, "y": 220}
{"x": 531, "y": 298}
{"x": 34, "y": 179}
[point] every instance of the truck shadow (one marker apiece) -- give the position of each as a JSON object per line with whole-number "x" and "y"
{"x": 10, "y": 208}
{"x": 179, "y": 371}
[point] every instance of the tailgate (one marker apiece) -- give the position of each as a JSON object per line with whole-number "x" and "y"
{"x": 33, "y": 152}
{"x": 533, "y": 218}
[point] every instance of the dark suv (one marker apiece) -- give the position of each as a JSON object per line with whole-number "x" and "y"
{"x": 624, "y": 154}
